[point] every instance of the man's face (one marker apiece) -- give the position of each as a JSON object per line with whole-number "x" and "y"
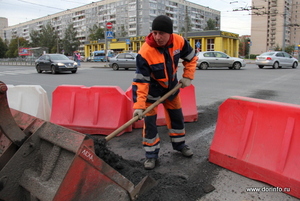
{"x": 160, "y": 37}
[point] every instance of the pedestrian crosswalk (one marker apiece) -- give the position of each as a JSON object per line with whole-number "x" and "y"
{"x": 18, "y": 72}
{"x": 27, "y": 71}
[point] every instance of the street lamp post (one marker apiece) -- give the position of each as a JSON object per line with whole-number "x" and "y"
{"x": 18, "y": 45}
{"x": 105, "y": 41}
{"x": 186, "y": 21}
{"x": 108, "y": 25}
{"x": 57, "y": 40}
{"x": 284, "y": 23}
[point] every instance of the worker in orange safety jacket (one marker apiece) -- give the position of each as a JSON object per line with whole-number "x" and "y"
{"x": 156, "y": 74}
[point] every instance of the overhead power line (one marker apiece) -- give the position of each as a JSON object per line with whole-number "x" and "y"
{"x": 40, "y": 5}
{"x": 45, "y": 6}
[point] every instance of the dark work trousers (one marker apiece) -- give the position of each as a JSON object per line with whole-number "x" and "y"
{"x": 175, "y": 125}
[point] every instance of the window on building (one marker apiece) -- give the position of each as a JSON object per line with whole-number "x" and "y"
{"x": 132, "y": 26}
{"x": 132, "y": 19}
{"x": 132, "y": 7}
{"x": 210, "y": 44}
{"x": 153, "y": 5}
{"x": 153, "y": 12}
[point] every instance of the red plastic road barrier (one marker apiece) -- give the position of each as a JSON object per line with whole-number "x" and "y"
{"x": 91, "y": 110}
{"x": 160, "y": 112}
{"x": 260, "y": 140}
{"x": 189, "y": 107}
{"x": 189, "y": 104}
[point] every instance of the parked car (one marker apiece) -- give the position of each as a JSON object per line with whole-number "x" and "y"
{"x": 276, "y": 59}
{"x": 123, "y": 60}
{"x": 55, "y": 63}
{"x": 218, "y": 59}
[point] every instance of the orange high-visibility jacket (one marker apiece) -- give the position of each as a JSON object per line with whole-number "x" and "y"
{"x": 156, "y": 70}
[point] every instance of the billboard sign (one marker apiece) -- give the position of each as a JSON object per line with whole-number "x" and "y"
{"x": 25, "y": 51}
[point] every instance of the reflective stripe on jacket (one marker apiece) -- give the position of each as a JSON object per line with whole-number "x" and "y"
{"x": 156, "y": 70}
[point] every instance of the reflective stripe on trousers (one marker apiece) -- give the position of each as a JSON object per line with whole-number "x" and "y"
{"x": 175, "y": 125}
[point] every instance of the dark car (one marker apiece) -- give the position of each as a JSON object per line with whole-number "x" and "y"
{"x": 123, "y": 60}
{"x": 55, "y": 63}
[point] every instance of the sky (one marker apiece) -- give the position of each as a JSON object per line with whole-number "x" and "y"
{"x": 234, "y": 17}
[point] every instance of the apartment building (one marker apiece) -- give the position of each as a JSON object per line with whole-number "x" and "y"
{"x": 274, "y": 23}
{"x": 129, "y": 18}
{"x": 295, "y": 24}
{"x": 3, "y": 25}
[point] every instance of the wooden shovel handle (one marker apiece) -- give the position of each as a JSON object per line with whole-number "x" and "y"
{"x": 135, "y": 118}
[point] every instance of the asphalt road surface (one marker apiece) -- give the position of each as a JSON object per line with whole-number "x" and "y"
{"x": 183, "y": 178}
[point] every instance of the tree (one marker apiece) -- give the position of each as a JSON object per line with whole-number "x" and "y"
{"x": 187, "y": 23}
{"x": 96, "y": 33}
{"x": 3, "y": 48}
{"x": 12, "y": 49}
{"x": 35, "y": 38}
{"x": 277, "y": 48}
{"x": 289, "y": 49}
{"x": 211, "y": 25}
{"x": 14, "y": 44}
{"x": 70, "y": 42}
{"x": 48, "y": 38}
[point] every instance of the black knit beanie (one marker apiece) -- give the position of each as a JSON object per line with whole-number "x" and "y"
{"x": 163, "y": 23}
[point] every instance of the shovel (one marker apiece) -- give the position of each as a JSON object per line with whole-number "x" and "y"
{"x": 135, "y": 118}
{"x": 147, "y": 182}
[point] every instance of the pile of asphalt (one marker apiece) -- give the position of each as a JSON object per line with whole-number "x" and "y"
{"x": 170, "y": 186}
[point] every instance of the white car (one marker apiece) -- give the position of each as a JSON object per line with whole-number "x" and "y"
{"x": 218, "y": 59}
{"x": 276, "y": 59}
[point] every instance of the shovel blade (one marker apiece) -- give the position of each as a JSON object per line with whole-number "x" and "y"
{"x": 143, "y": 186}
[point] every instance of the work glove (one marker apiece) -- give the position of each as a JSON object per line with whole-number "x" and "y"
{"x": 139, "y": 113}
{"x": 185, "y": 82}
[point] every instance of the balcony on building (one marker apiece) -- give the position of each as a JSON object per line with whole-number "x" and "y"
{"x": 79, "y": 13}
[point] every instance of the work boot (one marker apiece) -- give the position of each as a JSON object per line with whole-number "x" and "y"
{"x": 186, "y": 151}
{"x": 149, "y": 164}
